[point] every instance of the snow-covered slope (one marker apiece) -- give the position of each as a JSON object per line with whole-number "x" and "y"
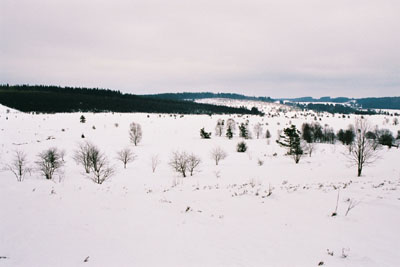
{"x": 235, "y": 214}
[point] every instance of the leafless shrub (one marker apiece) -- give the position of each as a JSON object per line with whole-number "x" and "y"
{"x": 193, "y": 162}
{"x": 155, "y": 161}
{"x": 19, "y": 166}
{"x": 99, "y": 166}
{"x": 218, "y": 154}
{"x": 179, "y": 162}
{"x": 83, "y": 154}
{"x": 309, "y": 147}
{"x": 49, "y": 162}
{"x": 182, "y": 162}
{"x": 135, "y": 133}
{"x": 260, "y": 162}
{"x": 345, "y": 253}
{"x": 352, "y": 205}
{"x": 219, "y": 128}
{"x": 125, "y": 156}
{"x": 258, "y": 130}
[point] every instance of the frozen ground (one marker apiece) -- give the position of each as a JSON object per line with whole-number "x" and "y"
{"x": 222, "y": 216}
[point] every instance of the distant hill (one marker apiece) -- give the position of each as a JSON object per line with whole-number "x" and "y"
{"x": 195, "y": 96}
{"x": 325, "y": 99}
{"x": 363, "y": 103}
{"x": 51, "y": 99}
{"x": 380, "y": 103}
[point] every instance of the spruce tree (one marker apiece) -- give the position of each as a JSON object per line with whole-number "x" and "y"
{"x": 291, "y": 140}
{"x": 229, "y": 132}
{"x": 82, "y": 119}
{"x": 243, "y": 132}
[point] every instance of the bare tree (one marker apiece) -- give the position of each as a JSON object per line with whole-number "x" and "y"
{"x": 258, "y": 130}
{"x": 155, "y": 161}
{"x": 49, "y": 162}
{"x": 193, "y": 162}
{"x": 218, "y": 154}
{"x": 126, "y": 155}
{"x": 82, "y": 155}
{"x": 310, "y": 147}
{"x": 230, "y": 128}
{"x": 99, "y": 166}
{"x": 19, "y": 165}
{"x": 362, "y": 152}
{"x": 219, "y": 128}
{"x": 179, "y": 162}
{"x": 135, "y": 133}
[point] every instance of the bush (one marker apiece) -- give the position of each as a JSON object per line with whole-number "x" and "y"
{"x": 218, "y": 154}
{"x": 386, "y": 138}
{"x": 182, "y": 162}
{"x": 204, "y": 134}
{"x": 49, "y": 162}
{"x": 241, "y": 147}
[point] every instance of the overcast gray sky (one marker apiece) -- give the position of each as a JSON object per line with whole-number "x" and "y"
{"x": 277, "y": 48}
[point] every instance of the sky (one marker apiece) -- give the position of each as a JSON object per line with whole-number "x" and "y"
{"x": 281, "y": 48}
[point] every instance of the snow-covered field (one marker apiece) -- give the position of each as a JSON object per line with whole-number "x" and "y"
{"x": 223, "y": 215}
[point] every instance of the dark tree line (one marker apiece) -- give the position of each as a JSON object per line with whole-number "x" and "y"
{"x": 330, "y": 108}
{"x": 51, "y": 99}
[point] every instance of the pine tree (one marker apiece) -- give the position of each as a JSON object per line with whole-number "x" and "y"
{"x": 204, "y": 134}
{"x": 82, "y": 119}
{"x": 243, "y": 132}
{"x": 291, "y": 140}
{"x": 229, "y": 132}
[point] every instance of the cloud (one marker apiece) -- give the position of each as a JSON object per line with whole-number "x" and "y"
{"x": 272, "y": 48}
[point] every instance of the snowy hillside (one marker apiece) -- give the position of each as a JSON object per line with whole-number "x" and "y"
{"x": 256, "y": 208}
{"x": 266, "y": 107}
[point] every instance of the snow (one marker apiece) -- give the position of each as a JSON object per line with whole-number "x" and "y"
{"x": 221, "y": 216}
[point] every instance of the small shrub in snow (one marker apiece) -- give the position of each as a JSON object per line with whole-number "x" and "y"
{"x": 268, "y": 136}
{"x": 182, "y": 162}
{"x": 83, "y": 155}
{"x": 244, "y": 131}
{"x": 19, "y": 166}
{"x": 155, "y": 161}
{"x": 218, "y": 154}
{"x": 193, "y": 162}
{"x": 125, "y": 156}
{"x": 49, "y": 162}
{"x": 241, "y": 147}
{"x": 230, "y": 128}
{"x": 99, "y": 166}
{"x": 204, "y": 134}
{"x": 179, "y": 162}
{"x": 219, "y": 128}
{"x": 258, "y": 130}
{"x": 352, "y": 205}
{"x": 385, "y": 138}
